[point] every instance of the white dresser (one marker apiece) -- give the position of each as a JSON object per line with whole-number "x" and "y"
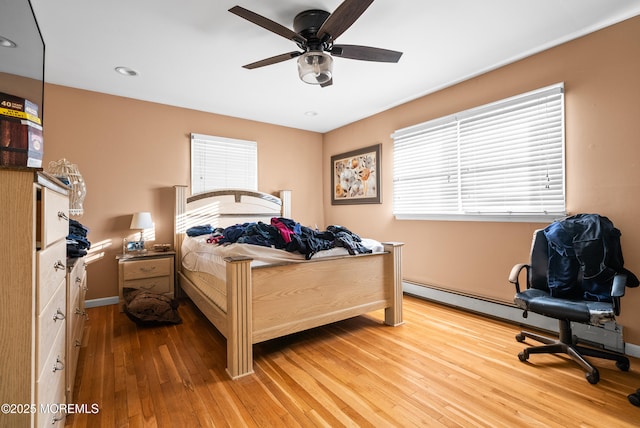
{"x": 76, "y": 316}
{"x": 34, "y": 223}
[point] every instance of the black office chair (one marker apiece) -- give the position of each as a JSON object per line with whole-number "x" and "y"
{"x": 537, "y": 298}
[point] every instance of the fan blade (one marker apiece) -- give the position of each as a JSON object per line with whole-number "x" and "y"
{"x": 327, "y": 83}
{"x": 365, "y": 53}
{"x": 268, "y": 24}
{"x": 273, "y": 60}
{"x": 342, "y": 18}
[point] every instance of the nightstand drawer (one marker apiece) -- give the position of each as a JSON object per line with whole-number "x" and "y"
{"x": 150, "y": 271}
{"x": 159, "y": 284}
{"x": 137, "y": 269}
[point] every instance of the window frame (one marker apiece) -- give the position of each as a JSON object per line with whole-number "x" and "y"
{"x": 243, "y": 158}
{"x": 416, "y": 132}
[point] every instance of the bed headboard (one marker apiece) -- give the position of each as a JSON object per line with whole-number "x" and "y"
{"x": 222, "y": 208}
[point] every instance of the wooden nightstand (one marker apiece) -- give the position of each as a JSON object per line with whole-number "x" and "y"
{"x": 151, "y": 271}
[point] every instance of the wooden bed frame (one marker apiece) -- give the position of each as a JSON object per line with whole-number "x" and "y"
{"x": 273, "y": 301}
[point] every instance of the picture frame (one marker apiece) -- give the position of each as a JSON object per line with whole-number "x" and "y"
{"x": 134, "y": 247}
{"x": 355, "y": 176}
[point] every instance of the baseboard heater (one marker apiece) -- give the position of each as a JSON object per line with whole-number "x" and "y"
{"x": 608, "y": 336}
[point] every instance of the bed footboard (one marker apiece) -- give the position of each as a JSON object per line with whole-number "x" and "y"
{"x": 268, "y": 302}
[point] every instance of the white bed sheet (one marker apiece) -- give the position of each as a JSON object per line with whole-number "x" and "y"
{"x": 199, "y": 256}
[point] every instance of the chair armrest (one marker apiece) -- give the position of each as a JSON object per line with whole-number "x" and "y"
{"x": 617, "y": 291}
{"x": 619, "y": 284}
{"x": 514, "y": 275}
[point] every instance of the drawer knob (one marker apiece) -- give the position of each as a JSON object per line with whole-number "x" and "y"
{"x": 77, "y": 343}
{"x": 59, "y": 315}
{"x": 62, "y": 215}
{"x": 79, "y": 312}
{"x": 78, "y": 279}
{"x": 57, "y": 419}
{"x": 58, "y": 265}
{"x": 59, "y": 365}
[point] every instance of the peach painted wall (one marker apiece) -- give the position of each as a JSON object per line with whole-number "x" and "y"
{"x": 132, "y": 152}
{"x": 601, "y": 73}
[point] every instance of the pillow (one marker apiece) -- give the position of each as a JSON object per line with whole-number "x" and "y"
{"x": 149, "y": 309}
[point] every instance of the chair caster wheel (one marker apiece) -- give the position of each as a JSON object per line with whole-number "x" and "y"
{"x": 520, "y": 337}
{"x": 593, "y": 377}
{"x": 523, "y": 356}
{"x": 623, "y": 365}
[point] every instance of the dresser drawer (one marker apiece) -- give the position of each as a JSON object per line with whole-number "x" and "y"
{"x": 159, "y": 284}
{"x": 55, "y": 417}
{"x": 51, "y": 269}
{"x": 137, "y": 269}
{"x": 50, "y": 388}
{"x": 55, "y": 217}
{"x": 76, "y": 308}
{"x": 74, "y": 342}
{"x": 76, "y": 281}
{"x": 76, "y": 316}
{"x": 75, "y": 337}
{"x": 50, "y": 321}
{"x": 53, "y": 367}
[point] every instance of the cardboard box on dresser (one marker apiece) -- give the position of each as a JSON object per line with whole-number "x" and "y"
{"x": 21, "y": 141}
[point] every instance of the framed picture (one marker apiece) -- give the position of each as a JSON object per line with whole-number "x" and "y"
{"x": 135, "y": 246}
{"x": 355, "y": 177}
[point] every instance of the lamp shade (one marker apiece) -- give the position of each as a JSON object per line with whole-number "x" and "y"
{"x": 141, "y": 220}
{"x": 315, "y": 67}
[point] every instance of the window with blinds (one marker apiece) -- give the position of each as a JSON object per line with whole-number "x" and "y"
{"x": 501, "y": 161}
{"x": 223, "y": 163}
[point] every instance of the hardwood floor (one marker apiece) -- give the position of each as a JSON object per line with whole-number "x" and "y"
{"x": 443, "y": 367}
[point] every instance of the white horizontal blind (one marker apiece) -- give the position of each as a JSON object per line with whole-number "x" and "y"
{"x": 502, "y": 159}
{"x": 223, "y": 163}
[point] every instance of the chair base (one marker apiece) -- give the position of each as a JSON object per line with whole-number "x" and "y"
{"x": 566, "y": 345}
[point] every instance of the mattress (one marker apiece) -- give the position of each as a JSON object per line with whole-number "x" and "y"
{"x": 203, "y": 263}
{"x": 200, "y": 256}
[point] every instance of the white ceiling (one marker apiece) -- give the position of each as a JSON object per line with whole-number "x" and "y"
{"x": 189, "y": 53}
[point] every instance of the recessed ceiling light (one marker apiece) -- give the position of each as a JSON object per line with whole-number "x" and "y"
{"x": 6, "y": 43}
{"x": 126, "y": 71}
{"x": 311, "y": 113}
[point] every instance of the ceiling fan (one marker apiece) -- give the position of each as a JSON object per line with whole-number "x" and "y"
{"x": 315, "y": 33}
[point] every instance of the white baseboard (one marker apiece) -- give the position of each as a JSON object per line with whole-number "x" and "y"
{"x": 497, "y": 310}
{"x": 105, "y": 301}
{"x": 632, "y": 350}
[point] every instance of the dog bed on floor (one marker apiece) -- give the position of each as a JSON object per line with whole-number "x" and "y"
{"x": 149, "y": 309}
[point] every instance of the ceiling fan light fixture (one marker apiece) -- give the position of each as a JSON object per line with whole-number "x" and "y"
{"x": 315, "y": 67}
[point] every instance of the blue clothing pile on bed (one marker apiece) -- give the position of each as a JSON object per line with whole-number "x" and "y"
{"x": 285, "y": 234}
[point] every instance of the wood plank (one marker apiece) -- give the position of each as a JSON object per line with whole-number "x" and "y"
{"x": 441, "y": 368}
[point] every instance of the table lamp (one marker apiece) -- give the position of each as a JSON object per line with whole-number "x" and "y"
{"x": 140, "y": 221}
